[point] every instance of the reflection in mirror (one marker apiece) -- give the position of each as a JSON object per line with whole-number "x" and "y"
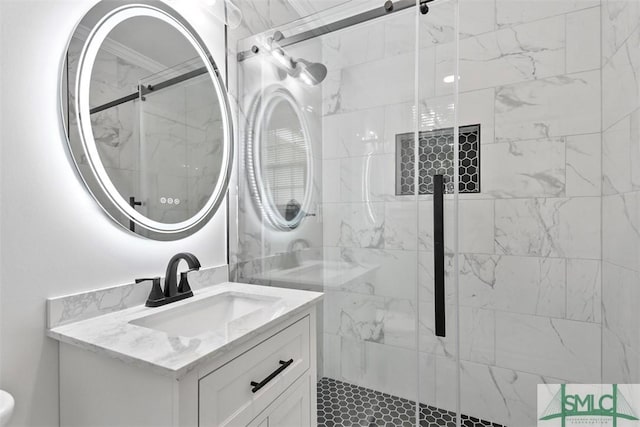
{"x": 168, "y": 158}
{"x": 159, "y": 122}
{"x": 280, "y": 157}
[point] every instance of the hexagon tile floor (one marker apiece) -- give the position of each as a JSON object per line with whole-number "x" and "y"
{"x": 342, "y": 404}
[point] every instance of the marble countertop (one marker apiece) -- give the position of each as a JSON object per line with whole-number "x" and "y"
{"x": 114, "y": 335}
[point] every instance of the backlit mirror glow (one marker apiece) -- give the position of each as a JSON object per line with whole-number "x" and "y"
{"x": 147, "y": 118}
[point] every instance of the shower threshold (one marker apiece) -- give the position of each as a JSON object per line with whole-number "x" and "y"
{"x": 341, "y": 404}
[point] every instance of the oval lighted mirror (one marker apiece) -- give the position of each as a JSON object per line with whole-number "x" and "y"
{"x": 279, "y": 159}
{"x": 147, "y": 118}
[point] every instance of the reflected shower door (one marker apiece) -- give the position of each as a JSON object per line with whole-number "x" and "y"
{"x": 163, "y": 149}
{"x": 180, "y": 144}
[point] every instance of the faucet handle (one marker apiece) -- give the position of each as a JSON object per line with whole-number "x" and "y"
{"x": 183, "y": 286}
{"x": 156, "y": 293}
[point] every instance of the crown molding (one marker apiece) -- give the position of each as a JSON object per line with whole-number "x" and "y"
{"x": 124, "y": 52}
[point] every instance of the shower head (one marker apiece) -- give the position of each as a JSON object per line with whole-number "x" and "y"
{"x": 312, "y": 73}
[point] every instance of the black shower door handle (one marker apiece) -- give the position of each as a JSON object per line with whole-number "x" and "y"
{"x": 438, "y": 254}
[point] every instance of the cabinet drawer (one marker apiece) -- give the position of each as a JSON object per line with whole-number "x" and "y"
{"x": 291, "y": 409}
{"x": 225, "y": 395}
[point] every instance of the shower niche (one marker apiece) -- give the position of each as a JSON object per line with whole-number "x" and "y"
{"x": 436, "y": 157}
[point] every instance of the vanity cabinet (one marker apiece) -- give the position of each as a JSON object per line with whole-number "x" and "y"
{"x": 239, "y": 391}
{"x": 267, "y": 381}
{"x": 291, "y": 409}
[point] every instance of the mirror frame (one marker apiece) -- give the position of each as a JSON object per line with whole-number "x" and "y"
{"x": 263, "y": 105}
{"x": 101, "y": 19}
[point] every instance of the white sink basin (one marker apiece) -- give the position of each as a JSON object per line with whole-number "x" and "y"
{"x": 208, "y": 314}
{"x": 6, "y": 407}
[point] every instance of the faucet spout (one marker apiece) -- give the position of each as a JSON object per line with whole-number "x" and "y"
{"x": 170, "y": 279}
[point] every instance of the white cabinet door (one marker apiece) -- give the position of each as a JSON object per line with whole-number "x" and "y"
{"x": 295, "y": 410}
{"x": 231, "y": 397}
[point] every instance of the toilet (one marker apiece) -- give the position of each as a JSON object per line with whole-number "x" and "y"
{"x": 6, "y": 407}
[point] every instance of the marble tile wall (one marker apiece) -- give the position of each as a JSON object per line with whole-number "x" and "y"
{"x": 530, "y": 265}
{"x": 620, "y": 190}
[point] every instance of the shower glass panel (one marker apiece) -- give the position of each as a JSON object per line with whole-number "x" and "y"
{"x": 620, "y": 192}
{"x": 438, "y": 169}
{"x": 336, "y": 195}
{"x": 529, "y": 242}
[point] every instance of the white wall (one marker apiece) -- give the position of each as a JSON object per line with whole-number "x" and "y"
{"x": 57, "y": 239}
{"x": 1, "y": 116}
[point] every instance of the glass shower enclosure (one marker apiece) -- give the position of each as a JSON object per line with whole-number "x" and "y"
{"x": 347, "y": 185}
{"x": 462, "y": 186}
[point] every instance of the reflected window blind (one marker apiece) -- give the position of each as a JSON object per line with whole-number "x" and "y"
{"x": 284, "y": 161}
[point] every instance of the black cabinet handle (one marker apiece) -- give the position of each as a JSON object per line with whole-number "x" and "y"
{"x": 283, "y": 365}
{"x": 438, "y": 254}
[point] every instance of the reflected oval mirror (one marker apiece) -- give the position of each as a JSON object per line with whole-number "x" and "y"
{"x": 147, "y": 118}
{"x": 279, "y": 159}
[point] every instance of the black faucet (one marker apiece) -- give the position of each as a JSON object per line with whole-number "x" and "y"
{"x": 173, "y": 291}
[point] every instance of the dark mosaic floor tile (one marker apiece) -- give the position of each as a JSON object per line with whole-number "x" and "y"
{"x": 342, "y": 404}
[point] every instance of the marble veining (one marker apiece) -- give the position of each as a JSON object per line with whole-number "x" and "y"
{"x": 554, "y": 106}
{"x": 529, "y": 51}
{"x": 619, "y": 19}
{"x": 584, "y": 165}
{"x": 554, "y": 347}
{"x": 621, "y": 226}
{"x": 517, "y": 284}
{"x": 504, "y": 395}
{"x": 584, "y": 295}
{"x": 73, "y": 308}
{"x": 621, "y": 77}
{"x": 525, "y": 168}
{"x": 115, "y": 336}
{"x": 559, "y": 227}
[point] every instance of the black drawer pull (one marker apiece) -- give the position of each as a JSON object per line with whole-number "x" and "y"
{"x": 283, "y": 365}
